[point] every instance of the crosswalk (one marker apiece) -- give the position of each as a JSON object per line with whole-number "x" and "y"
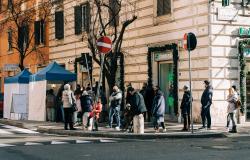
{"x": 57, "y": 142}
{"x": 10, "y": 130}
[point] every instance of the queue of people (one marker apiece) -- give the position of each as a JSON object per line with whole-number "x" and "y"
{"x": 80, "y": 108}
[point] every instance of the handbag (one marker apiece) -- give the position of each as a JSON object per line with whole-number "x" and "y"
{"x": 73, "y": 106}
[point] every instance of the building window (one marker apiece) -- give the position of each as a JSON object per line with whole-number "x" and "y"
{"x": 82, "y": 20}
{"x": 10, "y": 4}
{"x": 10, "y": 40}
{"x": 163, "y": 7}
{"x": 59, "y": 25}
{"x": 23, "y": 37}
{"x": 39, "y": 28}
{"x": 114, "y": 12}
{"x": 1, "y": 5}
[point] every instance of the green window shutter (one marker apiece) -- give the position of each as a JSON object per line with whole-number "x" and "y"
{"x": 159, "y": 7}
{"x": 20, "y": 38}
{"x": 37, "y": 32}
{"x": 59, "y": 25}
{"x": 78, "y": 20}
{"x": 26, "y": 34}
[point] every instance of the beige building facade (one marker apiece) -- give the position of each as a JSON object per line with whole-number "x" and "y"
{"x": 164, "y": 22}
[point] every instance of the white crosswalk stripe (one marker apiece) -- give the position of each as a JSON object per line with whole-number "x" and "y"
{"x": 81, "y": 141}
{"x": 59, "y": 142}
{"x": 32, "y": 144}
{"x": 4, "y": 131}
{"x": 6, "y": 145}
{"x": 107, "y": 141}
{"x": 20, "y": 130}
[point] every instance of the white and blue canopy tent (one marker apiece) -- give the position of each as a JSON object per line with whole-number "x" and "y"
{"x": 52, "y": 74}
{"x": 16, "y": 96}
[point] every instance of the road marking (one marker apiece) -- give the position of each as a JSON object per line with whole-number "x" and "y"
{"x": 32, "y": 144}
{"x": 82, "y": 141}
{"x": 21, "y": 130}
{"x": 2, "y": 131}
{"x": 59, "y": 142}
{"x": 6, "y": 145}
{"x": 106, "y": 141}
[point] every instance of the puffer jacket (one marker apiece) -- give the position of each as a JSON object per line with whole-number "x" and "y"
{"x": 86, "y": 103}
{"x": 158, "y": 109}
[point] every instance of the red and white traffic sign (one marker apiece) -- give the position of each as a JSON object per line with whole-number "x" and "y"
{"x": 104, "y": 44}
{"x": 185, "y": 41}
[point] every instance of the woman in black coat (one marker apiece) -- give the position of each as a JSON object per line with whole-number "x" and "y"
{"x": 185, "y": 108}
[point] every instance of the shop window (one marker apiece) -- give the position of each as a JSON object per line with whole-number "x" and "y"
{"x": 39, "y": 28}
{"x": 10, "y": 40}
{"x": 113, "y": 13}
{"x": 163, "y": 7}
{"x": 10, "y": 4}
{"x": 82, "y": 18}
{"x": 59, "y": 25}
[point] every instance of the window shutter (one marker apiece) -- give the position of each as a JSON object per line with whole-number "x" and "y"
{"x": 59, "y": 25}
{"x": 166, "y": 6}
{"x": 20, "y": 38}
{"x": 78, "y": 19}
{"x": 88, "y": 20}
{"x": 159, "y": 7}
{"x": 26, "y": 34}
{"x": 37, "y": 32}
{"x": 42, "y": 33}
{"x": 10, "y": 40}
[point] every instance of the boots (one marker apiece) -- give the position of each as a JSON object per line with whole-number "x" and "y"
{"x": 234, "y": 130}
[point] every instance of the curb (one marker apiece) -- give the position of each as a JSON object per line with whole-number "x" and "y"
{"x": 130, "y": 135}
{"x": 13, "y": 123}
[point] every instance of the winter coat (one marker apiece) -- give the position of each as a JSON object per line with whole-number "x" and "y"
{"x": 158, "y": 108}
{"x": 137, "y": 104}
{"x": 206, "y": 98}
{"x": 97, "y": 110}
{"x": 86, "y": 103}
{"x": 185, "y": 103}
{"x": 231, "y": 99}
{"x": 67, "y": 97}
{"x": 115, "y": 99}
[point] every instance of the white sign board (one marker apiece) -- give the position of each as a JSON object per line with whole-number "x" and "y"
{"x": 227, "y": 14}
{"x": 163, "y": 56}
{"x": 19, "y": 103}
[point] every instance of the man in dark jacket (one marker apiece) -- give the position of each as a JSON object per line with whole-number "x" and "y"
{"x": 138, "y": 108}
{"x": 206, "y": 102}
{"x": 185, "y": 108}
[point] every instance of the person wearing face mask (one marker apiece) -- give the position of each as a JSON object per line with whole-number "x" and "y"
{"x": 115, "y": 106}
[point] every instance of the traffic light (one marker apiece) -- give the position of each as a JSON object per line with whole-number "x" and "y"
{"x": 225, "y": 3}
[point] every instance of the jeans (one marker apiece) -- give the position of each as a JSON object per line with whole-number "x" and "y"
{"x": 114, "y": 112}
{"x": 186, "y": 118}
{"x": 50, "y": 114}
{"x": 205, "y": 116}
{"x": 231, "y": 116}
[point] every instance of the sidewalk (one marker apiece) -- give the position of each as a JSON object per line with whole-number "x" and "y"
{"x": 173, "y": 130}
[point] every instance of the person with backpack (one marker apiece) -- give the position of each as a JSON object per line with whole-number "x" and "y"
{"x": 185, "y": 108}
{"x": 87, "y": 105}
{"x": 68, "y": 99}
{"x": 50, "y": 105}
{"x": 232, "y": 98}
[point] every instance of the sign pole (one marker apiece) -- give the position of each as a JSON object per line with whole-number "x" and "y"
{"x": 100, "y": 78}
{"x": 190, "y": 84}
{"x": 87, "y": 65}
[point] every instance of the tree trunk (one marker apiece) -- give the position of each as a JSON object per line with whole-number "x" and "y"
{"x": 21, "y": 62}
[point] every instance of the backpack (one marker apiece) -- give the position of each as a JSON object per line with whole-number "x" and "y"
{"x": 238, "y": 104}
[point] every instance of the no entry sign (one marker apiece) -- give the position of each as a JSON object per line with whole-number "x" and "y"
{"x": 104, "y": 44}
{"x": 190, "y": 41}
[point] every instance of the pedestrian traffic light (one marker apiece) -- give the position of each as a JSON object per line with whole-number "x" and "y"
{"x": 225, "y": 3}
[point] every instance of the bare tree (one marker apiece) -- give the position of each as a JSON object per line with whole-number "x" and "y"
{"x": 110, "y": 18}
{"x": 21, "y": 19}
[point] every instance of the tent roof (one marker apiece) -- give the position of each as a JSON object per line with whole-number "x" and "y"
{"x": 53, "y": 72}
{"x": 22, "y": 77}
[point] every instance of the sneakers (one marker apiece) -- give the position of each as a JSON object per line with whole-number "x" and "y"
{"x": 164, "y": 130}
{"x": 117, "y": 128}
{"x": 202, "y": 127}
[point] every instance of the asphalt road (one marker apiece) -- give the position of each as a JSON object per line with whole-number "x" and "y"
{"x": 36, "y": 146}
